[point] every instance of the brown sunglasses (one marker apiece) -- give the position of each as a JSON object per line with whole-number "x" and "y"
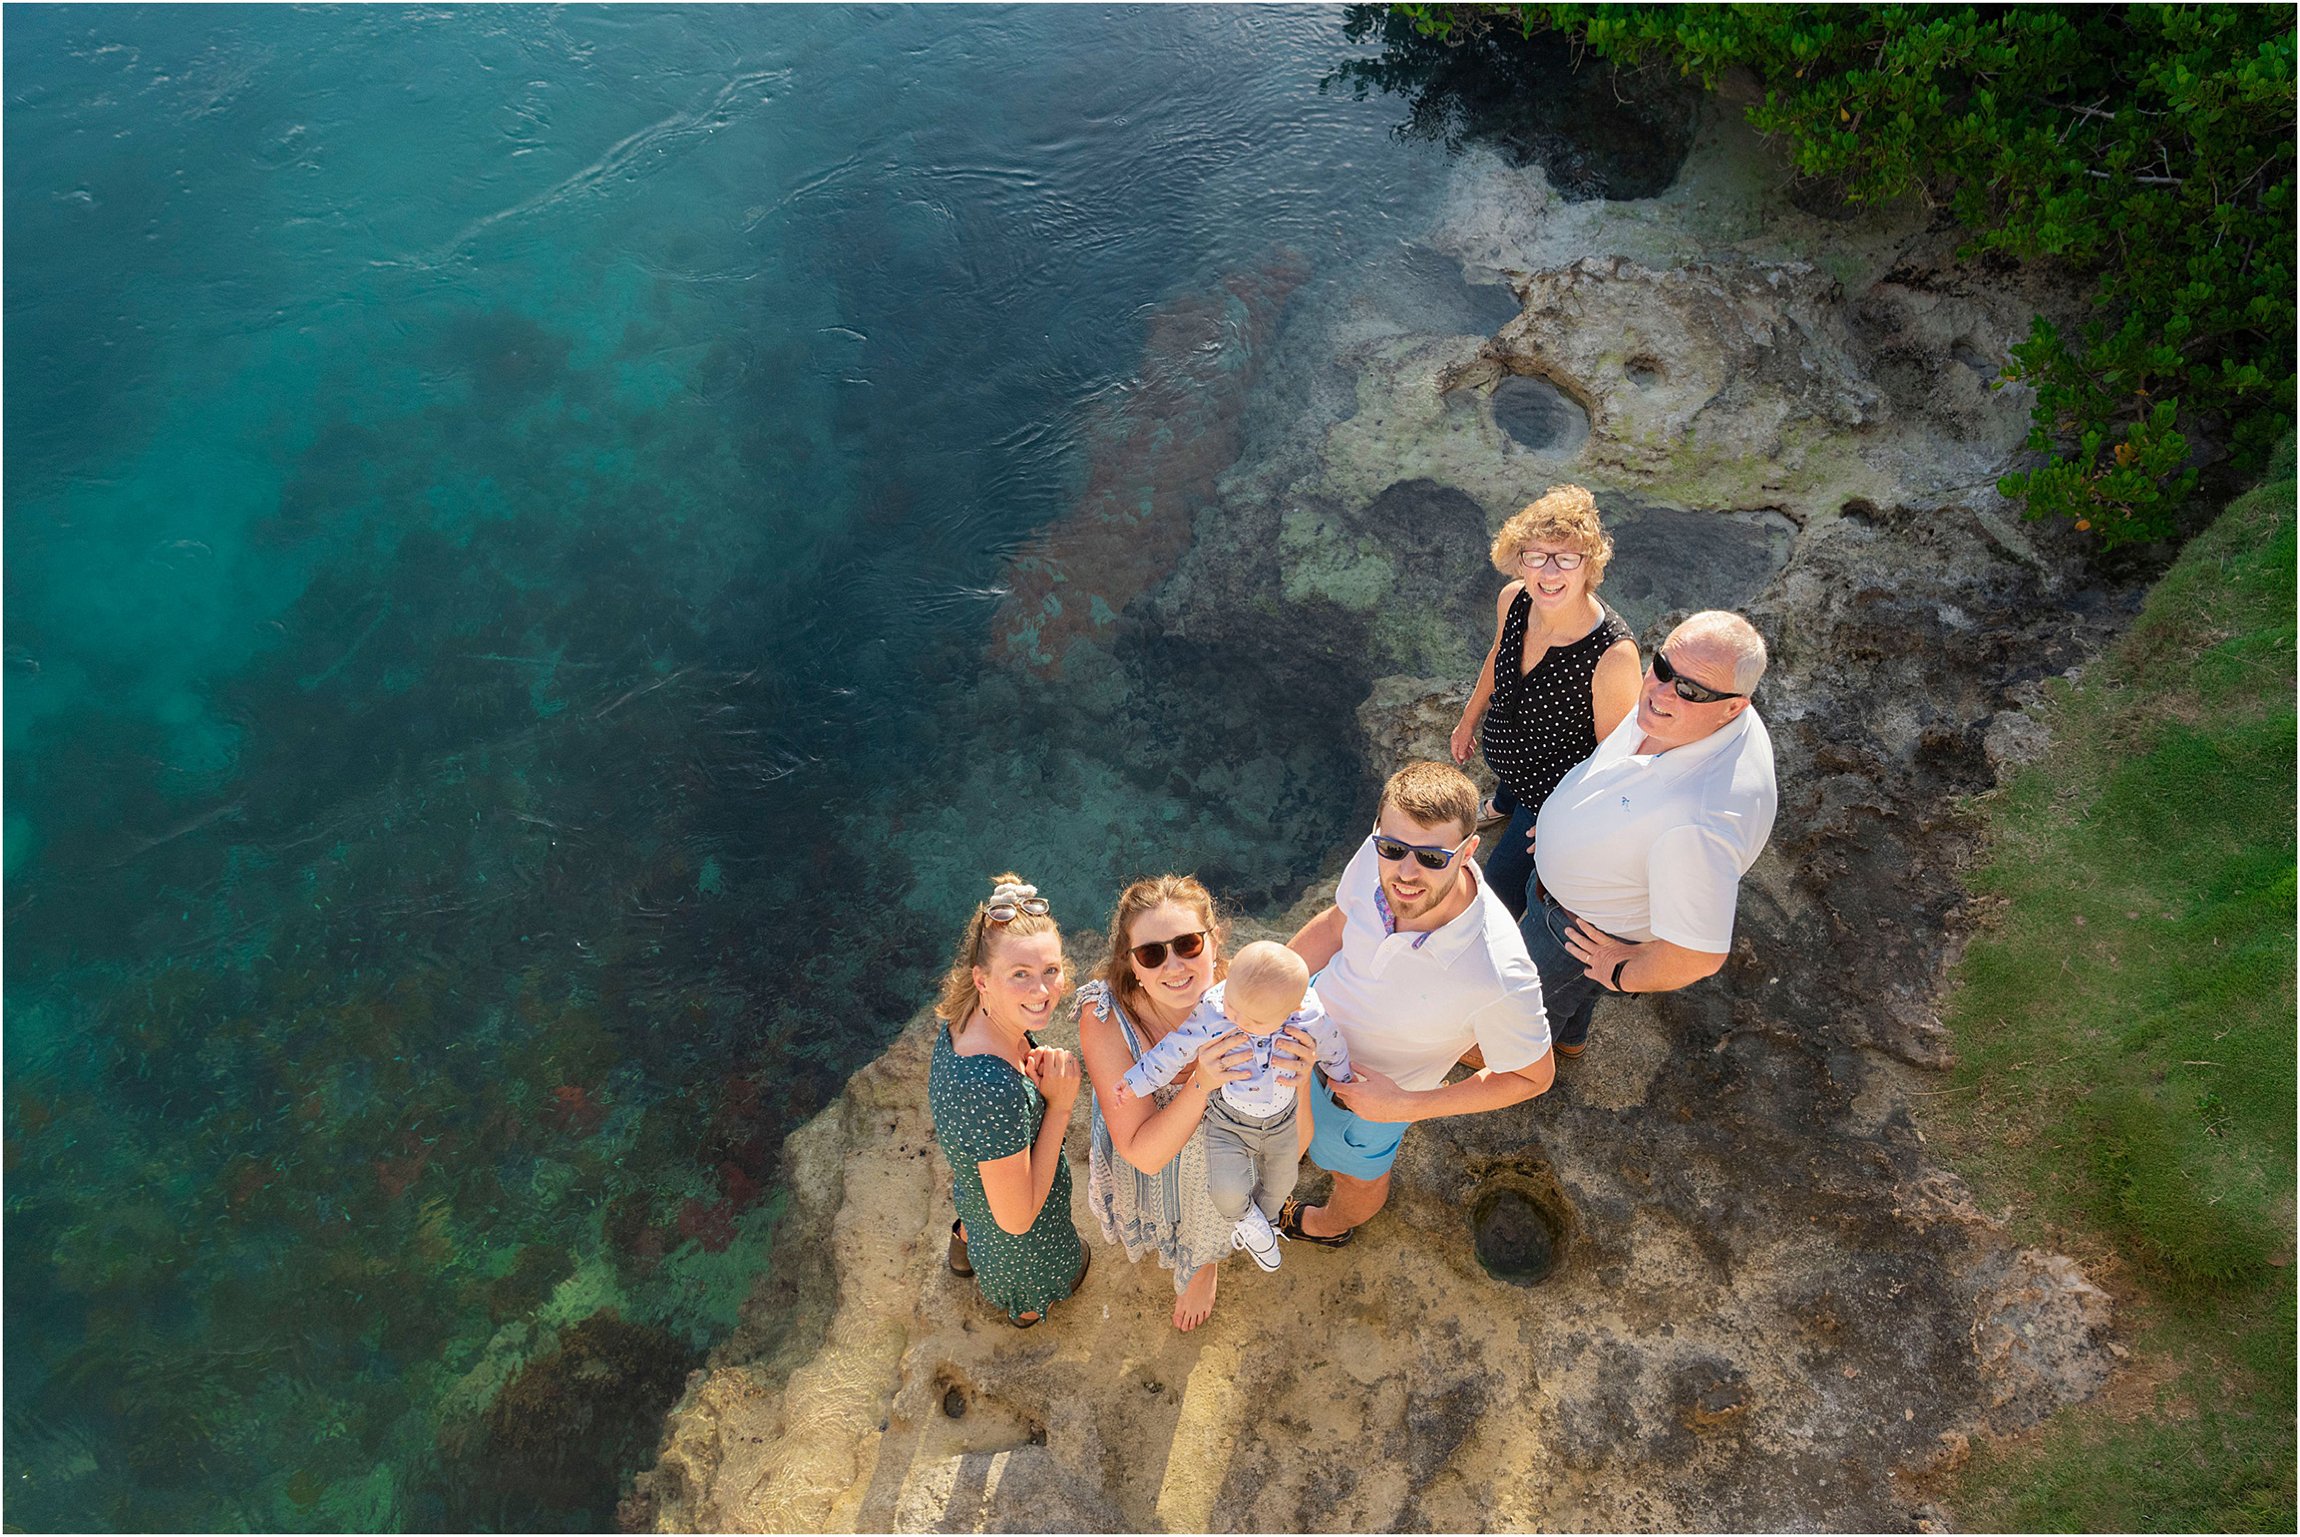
{"x": 1153, "y": 955}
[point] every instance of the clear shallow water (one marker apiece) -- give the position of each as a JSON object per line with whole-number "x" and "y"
{"x": 507, "y": 512}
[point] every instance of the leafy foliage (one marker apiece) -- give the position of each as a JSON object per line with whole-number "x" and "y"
{"x": 2146, "y": 149}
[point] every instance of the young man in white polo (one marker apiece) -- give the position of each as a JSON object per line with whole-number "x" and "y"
{"x": 1640, "y": 850}
{"x": 1420, "y": 963}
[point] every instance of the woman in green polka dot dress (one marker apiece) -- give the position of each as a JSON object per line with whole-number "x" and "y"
{"x": 1001, "y": 1103}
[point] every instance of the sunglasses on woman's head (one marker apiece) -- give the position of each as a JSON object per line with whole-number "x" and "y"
{"x": 1688, "y": 690}
{"x": 1005, "y": 910}
{"x": 1429, "y": 859}
{"x": 1153, "y": 955}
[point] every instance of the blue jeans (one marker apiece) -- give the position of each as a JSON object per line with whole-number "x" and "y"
{"x": 1509, "y": 868}
{"x": 1568, "y": 992}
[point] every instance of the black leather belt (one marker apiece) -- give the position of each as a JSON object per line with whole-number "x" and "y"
{"x": 1541, "y": 894}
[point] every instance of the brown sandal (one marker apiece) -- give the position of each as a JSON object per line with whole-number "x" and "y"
{"x": 959, "y": 1264}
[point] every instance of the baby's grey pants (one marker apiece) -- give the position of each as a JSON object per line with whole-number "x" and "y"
{"x": 1250, "y": 1158}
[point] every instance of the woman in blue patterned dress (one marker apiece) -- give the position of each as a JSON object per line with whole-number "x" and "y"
{"x": 1146, "y": 1175}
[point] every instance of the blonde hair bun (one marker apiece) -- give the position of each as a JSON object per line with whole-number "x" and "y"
{"x": 957, "y": 998}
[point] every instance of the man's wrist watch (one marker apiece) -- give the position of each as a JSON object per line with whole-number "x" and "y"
{"x": 1617, "y": 965}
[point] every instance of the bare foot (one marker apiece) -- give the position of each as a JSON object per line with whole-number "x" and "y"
{"x": 1196, "y": 1304}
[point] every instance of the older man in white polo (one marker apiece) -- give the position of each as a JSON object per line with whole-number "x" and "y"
{"x": 1640, "y": 850}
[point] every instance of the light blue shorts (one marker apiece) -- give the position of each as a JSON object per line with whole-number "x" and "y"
{"x": 1342, "y": 1143}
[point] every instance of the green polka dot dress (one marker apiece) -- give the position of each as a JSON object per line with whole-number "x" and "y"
{"x": 984, "y": 1111}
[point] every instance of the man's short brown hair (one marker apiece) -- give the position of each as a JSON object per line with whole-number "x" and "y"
{"x": 1433, "y": 794}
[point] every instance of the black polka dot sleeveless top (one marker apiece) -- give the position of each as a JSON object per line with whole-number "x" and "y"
{"x": 1541, "y": 723}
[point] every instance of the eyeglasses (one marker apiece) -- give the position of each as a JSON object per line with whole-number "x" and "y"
{"x": 1007, "y": 909}
{"x": 1153, "y": 955}
{"x": 1564, "y": 560}
{"x": 1429, "y": 859}
{"x": 1688, "y": 690}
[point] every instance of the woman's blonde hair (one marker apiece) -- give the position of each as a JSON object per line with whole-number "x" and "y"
{"x": 1117, "y": 971}
{"x": 959, "y": 997}
{"x": 1564, "y": 515}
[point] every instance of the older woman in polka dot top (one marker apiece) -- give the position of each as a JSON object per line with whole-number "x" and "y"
{"x": 1562, "y": 673}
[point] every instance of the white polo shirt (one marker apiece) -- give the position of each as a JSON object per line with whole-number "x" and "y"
{"x": 1410, "y": 1004}
{"x": 1654, "y": 845}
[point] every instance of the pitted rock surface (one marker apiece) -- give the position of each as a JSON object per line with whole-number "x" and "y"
{"x": 1763, "y": 383}
{"x": 1709, "y": 354}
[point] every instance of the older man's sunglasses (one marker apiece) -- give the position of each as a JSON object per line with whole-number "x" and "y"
{"x": 1688, "y": 690}
{"x": 1428, "y": 858}
{"x": 1153, "y": 955}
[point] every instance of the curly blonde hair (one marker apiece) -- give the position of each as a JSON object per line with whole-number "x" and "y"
{"x": 1117, "y": 971}
{"x": 1562, "y": 515}
{"x": 959, "y": 998}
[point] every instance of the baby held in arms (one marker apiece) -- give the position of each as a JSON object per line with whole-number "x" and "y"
{"x": 1252, "y": 1150}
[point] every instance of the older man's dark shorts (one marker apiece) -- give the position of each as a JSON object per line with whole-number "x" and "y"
{"x": 1568, "y": 992}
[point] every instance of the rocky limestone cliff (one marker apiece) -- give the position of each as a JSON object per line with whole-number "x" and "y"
{"x": 1768, "y": 1307}
{"x": 1711, "y": 1280}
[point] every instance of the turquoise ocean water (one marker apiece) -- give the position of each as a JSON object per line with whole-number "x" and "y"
{"x": 506, "y": 515}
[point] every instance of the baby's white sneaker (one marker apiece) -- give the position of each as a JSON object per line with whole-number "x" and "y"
{"x": 1255, "y": 1235}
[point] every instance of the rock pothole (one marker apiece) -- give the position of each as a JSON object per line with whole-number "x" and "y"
{"x": 1539, "y": 415}
{"x": 1520, "y": 1228}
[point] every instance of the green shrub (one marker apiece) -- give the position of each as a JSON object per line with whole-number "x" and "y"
{"x": 2145, "y": 149}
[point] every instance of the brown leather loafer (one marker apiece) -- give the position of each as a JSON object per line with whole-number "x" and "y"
{"x": 1289, "y": 1225}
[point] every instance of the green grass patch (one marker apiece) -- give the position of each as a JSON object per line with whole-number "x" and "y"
{"x": 2125, "y": 1028}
